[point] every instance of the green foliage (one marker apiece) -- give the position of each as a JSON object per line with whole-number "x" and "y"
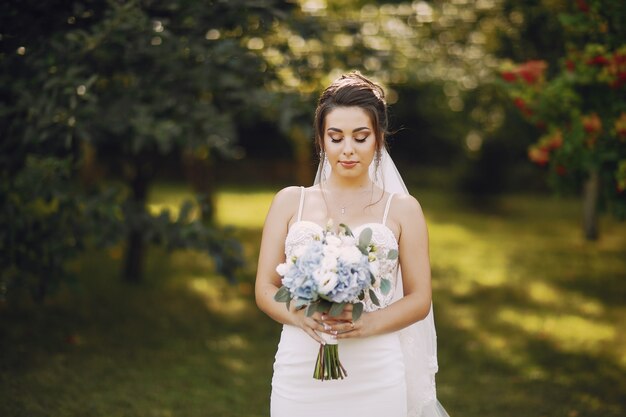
{"x": 581, "y": 107}
{"x": 133, "y": 82}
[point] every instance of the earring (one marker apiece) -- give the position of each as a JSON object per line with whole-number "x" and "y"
{"x": 376, "y": 165}
{"x": 323, "y": 163}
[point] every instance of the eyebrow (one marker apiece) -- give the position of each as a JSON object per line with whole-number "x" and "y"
{"x": 358, "y": 129}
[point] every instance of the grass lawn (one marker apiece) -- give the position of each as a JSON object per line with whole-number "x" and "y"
{"x": 531, "y": 322}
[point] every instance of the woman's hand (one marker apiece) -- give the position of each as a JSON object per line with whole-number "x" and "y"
{"x": 311, "y": 325}
{"x": 343, "y": 327}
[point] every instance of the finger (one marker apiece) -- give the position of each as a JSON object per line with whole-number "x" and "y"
{"x": 342, "y": 327}
{"x": 315, "y": 336}
{"x": 350, "y": 332}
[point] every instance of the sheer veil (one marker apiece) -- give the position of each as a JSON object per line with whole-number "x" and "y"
{"x": 419, "y": 341}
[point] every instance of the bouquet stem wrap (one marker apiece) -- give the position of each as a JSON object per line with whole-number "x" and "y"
{"x": 328, "y": 366}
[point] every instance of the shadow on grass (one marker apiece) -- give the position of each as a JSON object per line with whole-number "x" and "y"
{"x": 530, "y": 323}
{"x": 108, "y": 349}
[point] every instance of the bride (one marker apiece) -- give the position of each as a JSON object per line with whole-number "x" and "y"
{"x": 390, "y": 351}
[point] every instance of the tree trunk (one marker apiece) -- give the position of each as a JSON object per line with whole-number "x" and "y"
{"x": 135, "y": 248}
{"x": 590, "y": 205}
{"x": 200, "y": 174}
{"x": 302, "y": 146}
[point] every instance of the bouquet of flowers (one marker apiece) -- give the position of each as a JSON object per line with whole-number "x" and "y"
{"x": 332, "y": 270}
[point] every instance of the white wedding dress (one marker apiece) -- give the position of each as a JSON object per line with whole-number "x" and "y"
{"x": 377, "y": 383}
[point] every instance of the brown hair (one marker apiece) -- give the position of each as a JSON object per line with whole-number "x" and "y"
{"x": 350, "y": 90}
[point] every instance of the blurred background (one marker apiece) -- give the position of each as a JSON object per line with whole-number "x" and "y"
{"x": 141, "y": 143}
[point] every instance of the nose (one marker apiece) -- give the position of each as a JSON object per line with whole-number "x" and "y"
{"x": 347, "y": 147}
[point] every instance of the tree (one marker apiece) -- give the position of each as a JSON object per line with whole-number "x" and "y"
{"x": 127, "y": 83}
{"x": 580, "y": 108}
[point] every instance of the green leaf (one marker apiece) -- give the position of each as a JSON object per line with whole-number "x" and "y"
{"x": 282, "y": 295}
{"x": 300, "y": 303}
{"x": 374, "y": 298}
{"x": 347, "y": 229}
{"x": 311, "y": 309}
{"x": 323, "y": 306}
{"x": 357, "y": 310}
{"x": 392, "y": 254}
{"x": 385, "y": 286}
{"x": 336, "y": 309}
{"x": 365, "y": 237}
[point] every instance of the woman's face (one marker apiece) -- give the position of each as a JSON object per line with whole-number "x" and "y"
{"x": 349, "y": 141}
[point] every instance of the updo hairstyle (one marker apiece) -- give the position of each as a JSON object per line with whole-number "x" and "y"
{"x": 353, "y": 90}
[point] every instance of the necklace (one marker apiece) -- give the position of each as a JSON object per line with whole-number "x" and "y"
{"x": 353, "y": 199}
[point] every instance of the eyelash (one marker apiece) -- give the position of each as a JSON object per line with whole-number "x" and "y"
{"x": 333, "y": 140}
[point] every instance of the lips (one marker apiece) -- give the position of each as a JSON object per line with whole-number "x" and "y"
{"x": 348, "y": 164}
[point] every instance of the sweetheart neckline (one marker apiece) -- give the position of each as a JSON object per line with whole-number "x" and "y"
{"x": 352, "y": 228}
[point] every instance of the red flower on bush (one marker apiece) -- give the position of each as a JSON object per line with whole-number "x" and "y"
{"x": 583, "y": 6}
{"x": 555, "y": 140}
{"x": 592, "y": 124}
{"x": 599, "y": 60}
{"x": 532, "y": 71}
{"x": 509, "y": 76}
{"x": 538, "y": 155}
{"x": 522, "y": 106}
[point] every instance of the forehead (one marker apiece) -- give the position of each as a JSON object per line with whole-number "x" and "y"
{"x": 347, "y": 118}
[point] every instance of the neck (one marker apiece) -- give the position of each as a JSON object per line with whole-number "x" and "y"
{"x": 349, "y": 184}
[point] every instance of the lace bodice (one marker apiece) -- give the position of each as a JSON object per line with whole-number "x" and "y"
{"x": 303, "y": 231}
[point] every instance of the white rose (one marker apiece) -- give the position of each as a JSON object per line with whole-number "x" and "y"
{"x": 329, "y": 263}
{"x": 333, "y": 241}
{"x": 326, "y": 282}
{"x": 350, "y": 254}
{"x": 348, "y": 240}
{"x": 299, "y": 251}
{"x": 330, "y": 251}
{"x": 282, "y": 269}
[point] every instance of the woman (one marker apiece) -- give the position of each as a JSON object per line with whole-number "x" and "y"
{"x": 390, "y": 351}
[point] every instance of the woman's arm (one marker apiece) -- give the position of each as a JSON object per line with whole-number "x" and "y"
{"x": 272, "y": 253}
{"x": 415, "y": 264}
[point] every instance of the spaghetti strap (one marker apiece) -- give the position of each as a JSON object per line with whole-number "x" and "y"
{"x": 301, "y": 203}
{"x": 387, "y": 208}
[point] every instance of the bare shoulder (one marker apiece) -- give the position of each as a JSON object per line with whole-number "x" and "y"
{"x": 285, "y": 204}
{"x": 288, "y": 194}
{"x": 407, "y": 205}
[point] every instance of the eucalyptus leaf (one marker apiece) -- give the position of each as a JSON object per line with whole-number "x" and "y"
{"x": 300, "y": 303}
{"x": 336, "y": 309}
{"x": 347, "y": 229}
{"x": 311, "y": 309}
{"x": 385, "y": 286}
{"x": 374, "y": 298}
{"x": 282, "y": 295}
{"x": 357, "y": 310}
{"x": 365, "y": 237}
{"x": 323, "y": 306}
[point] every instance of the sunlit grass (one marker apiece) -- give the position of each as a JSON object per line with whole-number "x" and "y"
{"x": 530, "y": 318}
{"x": 245, "y": 209}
